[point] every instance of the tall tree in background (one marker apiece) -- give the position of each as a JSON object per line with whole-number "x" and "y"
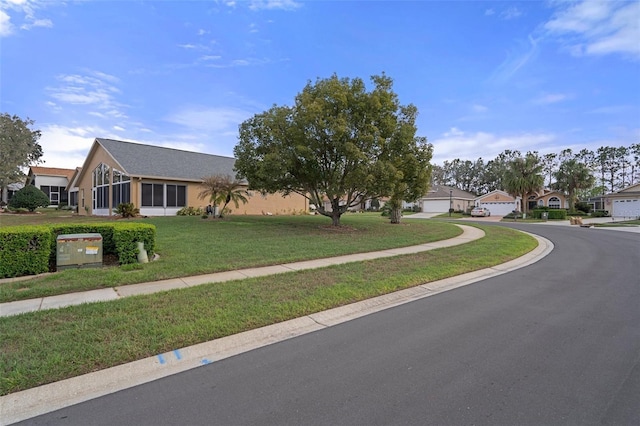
{"x": 549, "y": 166}
{"x": 335, "y": 144}
{"x": 523, "y": 177}
{"x": 19, "y": 148}
{"x": 571, "y": 177}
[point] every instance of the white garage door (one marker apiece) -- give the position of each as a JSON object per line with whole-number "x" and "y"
{"x": 435, "y": 206}
{"x": 626, "y": 208}
{"x": 499, "y": 209}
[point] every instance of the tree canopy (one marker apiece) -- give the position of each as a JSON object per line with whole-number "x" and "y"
{"x": 524, "y": 177}
{"x": 571, "y": 177}
{"x": 19, "y": 148}
{"x": 338, "y": 143}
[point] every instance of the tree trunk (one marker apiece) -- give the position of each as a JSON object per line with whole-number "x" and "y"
{"x": 335, "y": 218}
{"x": 396, "y": 215}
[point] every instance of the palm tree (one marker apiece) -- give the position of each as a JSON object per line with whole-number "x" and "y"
{"x": 523, "y": 177}
{"x": 234, "y": 191}
{"x": 222, "y": 189}
{"x": 571, "y": 177}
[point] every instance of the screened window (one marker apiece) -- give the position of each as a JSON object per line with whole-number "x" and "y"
{"x": 176, "y": 196}
{"x": 554, "y": 203}
{"x": 152, "y": 195}
{"x": 100, "y": 191}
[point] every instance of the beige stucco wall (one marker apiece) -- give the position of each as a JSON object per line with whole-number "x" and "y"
{"x": 561, "y": 197}
{"x": 84, "y": 184}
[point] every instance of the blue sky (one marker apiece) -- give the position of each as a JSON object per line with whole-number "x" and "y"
{"x": 485, "y": 76}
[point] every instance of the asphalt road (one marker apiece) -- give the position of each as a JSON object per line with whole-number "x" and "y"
{"x": 557, "y": 342}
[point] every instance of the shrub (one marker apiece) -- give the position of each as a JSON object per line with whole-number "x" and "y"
{"x": 29, "y": 198}
{"x": 582, "y": 206}
{"x": 190, "y": 211}
{"x": 24, "y": 250}
{"x": 600, "y": 213}
{"x": 127, "y": 210}
{"x": 552, "y": 213}
{"x": 126, "y": 237}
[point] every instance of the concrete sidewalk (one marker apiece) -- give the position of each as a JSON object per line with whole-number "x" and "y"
{"x": 26, "y": 404}
{"x": 102, "y": 295}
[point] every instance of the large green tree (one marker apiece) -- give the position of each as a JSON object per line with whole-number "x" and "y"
{"x": 523, "y": 177}
{"x": 19, "y": 148}
{"x": 571, "y": 177}
{"x": 338, "y": 143}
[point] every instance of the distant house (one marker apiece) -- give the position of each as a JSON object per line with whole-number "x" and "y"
{"x": 441, "y": 198}
{"x": 52, "y": 181}
{"x": 499, "y": 203}
{"x": 624, "y": 203}
{"x": 548, "y": 198}
{"x": 160, "y": 181}
{"x": 9, "y": 190}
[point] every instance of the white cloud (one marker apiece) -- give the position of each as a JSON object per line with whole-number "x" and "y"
{"x": 552, "y": 98}
{"x": 456, "y": 143}
{"x": 598, "y": 27}
{"x": 516, "y": 60}
{"x": 479, "y": 108}
{"x": 24, "y": 10}
{"x": 67, "y": 147}
{"x": 489, "y": 12}
{"x": 6, "y": 28}
{"x": 274, "y": 4}
{"x": 511, "y": 13}
{"x": 94, "y": 88}
{"x": 118, "y": 128}
{"x": 209, "y": 119}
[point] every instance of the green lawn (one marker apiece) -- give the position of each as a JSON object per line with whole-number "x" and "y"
{"x": 192, "y": 246}
{"x": 47, "y": 346}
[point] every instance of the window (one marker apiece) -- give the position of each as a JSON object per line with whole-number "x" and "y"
{"x": 152, "y": 195}
{"x": 554, "y": 203}
{"x": 176, "y": 196}
{"x": 161, "y": 195}
{"x": 121, "y": 188}
{"x": 100, "y": 191}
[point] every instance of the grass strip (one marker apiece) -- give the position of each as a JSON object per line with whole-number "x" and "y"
{"x": 193, "y": 246}
{"x": 47, "y": 346}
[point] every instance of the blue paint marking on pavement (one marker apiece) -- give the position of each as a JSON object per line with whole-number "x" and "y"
{"x": 205, "y": 361}
{"x": 177, "y": 354}
{"x": 161, "y": 359}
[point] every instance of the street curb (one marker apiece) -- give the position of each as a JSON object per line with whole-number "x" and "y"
{"x": 33, "y": 402}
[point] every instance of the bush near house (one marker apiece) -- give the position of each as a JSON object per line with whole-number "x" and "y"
{"x": 29, "y": 250}
{"x": 560, "y": 214}
{"x": 29, "y": 198}
{"x": 24, "y": 250}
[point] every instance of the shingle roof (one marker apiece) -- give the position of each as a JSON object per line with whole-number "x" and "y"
{"x": 442, "y": 191}
{"x": 155, "y": 161}
{"x": 52, "y": 171}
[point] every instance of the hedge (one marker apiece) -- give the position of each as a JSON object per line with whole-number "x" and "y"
{"x": 553, "y": 213}
{"x": 23, "y": 248}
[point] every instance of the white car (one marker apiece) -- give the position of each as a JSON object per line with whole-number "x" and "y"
{"x": 481, "y": 212}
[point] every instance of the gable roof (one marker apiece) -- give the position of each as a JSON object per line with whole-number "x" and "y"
{"x": 442, "y": 191}
{"x": 150, "y": 161}
{"x": 51, "y": 171}
{"x": 629, "y": 190}
{"x": 497, "y": 191}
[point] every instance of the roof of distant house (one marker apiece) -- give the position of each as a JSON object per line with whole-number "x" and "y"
{"x": 51, "y": 171}
{"x": 442, "y": 191}
{"x": 155, "y": 161}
